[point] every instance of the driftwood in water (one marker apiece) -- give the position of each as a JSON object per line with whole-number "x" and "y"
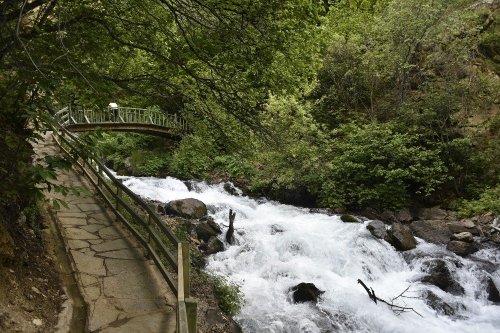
{"x": 230, "y": 231}
{"x": 397, "y": 309}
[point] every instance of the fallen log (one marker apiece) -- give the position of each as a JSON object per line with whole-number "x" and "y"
{"x": 397, "y": 309}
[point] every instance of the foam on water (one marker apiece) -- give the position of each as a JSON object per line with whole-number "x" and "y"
{"x": 279, "y": 246}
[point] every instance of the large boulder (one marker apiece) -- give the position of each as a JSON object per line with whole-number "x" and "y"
{"x": 377, "y": 229}
{"x": 305, "y": 292}
{"x": 464, "y": 226}
{"x": 404, "y": 215}
{"x": 441, "y": 277}
{"x": 214, "y": 245}
{"x": 401, "y": 238}
{"x": 189, "y": 208}
{"x": 492, "y": 290}
{"x": 433, "y": 231}
{"x": 434, "y": 213}
{"x": 461, "y": 248}
{"x": 436, "y": 303}
{"x": 205, "y": 230}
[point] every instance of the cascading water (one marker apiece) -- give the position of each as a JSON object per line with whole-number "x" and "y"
{"x": 279, "y": 246}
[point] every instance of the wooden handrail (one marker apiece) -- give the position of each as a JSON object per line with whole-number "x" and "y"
{"x": 77, "y": 116}
{"x": 155, "y": 236}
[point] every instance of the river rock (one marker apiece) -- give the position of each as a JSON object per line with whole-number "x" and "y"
{"x": 388, "y": 217}
{"x": 463, "y": 237}
{"x": 432, "y": 231}
{"x": 189, "y": 208}
{"x": 229, "y": 188}
{"x": 377, "y": 229}
{"x": 434, "y": 213}
{"x": 461, "y": 248}
{"x": 204, "y": 231}
{"x": 305, "y": 292}
{"x": 441, "y": 277}
{"x": 492, "y": 290}
{"x": 214, "y": 245}
{"x": 437, "y": 303}
{"x": 401, "y": 238}
{"x": 349, "y": 218}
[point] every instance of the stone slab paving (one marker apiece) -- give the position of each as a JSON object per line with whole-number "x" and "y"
{"x": 124, "y": 291}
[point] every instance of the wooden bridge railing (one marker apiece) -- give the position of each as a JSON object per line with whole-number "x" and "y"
{"x": 140, "y": 219}
{"x": 75, "y": 115}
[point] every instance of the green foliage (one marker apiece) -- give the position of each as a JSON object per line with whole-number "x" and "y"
{"x": 374, "y": 165}
{"x": 489, "y": 201}
{"x": 228, "y": 295}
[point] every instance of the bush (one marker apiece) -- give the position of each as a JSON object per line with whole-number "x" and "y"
{"x": 489, "y": 201}
{"x": 229, "y": 295}
{"x": 374, "y": 165}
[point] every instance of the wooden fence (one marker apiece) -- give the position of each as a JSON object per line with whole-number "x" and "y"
{"x": 162, "y": 246}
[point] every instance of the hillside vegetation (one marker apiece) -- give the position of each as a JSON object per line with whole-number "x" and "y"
{"x": 340, "y": 104}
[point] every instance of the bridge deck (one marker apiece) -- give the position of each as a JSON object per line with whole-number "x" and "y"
{"x": 124, "y": 119}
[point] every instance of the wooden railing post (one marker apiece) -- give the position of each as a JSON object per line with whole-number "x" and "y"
{"x": 192, "y": 314}
{"x": 118, "y": 195}
{"x": 185, "y": 267}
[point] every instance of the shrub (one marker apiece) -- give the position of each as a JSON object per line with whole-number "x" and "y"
{"x": 229, "y": 295}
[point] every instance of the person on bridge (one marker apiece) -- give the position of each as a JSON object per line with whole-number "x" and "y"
{"x": 113, "y": 108}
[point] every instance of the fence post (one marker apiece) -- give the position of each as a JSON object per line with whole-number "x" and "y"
{"x": 118, "y": 195}
{"x": 192, "y": 314}
{"x": 185, "y": 268}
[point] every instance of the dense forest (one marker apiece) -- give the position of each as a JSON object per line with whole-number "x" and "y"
{"x": 340, "y": 104}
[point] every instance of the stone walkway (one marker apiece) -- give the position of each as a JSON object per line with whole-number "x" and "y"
{"x": 123, "y": 290}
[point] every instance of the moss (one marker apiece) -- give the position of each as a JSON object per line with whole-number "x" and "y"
{"x": 349, "y": 218}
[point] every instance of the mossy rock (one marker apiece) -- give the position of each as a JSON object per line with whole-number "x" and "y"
{"x": 349, "y": 218}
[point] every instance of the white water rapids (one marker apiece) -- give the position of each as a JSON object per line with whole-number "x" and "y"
{"x": 280, "y": 246}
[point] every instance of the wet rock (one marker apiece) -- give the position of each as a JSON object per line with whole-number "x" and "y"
{"x": 214, "y": 226}
{"x": 436, "y": 303}
{"x": 214, "y": 245}
{"x": 204, "y": 231}
{"x": 305, "y": 292}
{"x": 401, "y": 238}
{"x": 492, "y": 291}
{"x": 189, "y": 208}
{"x": 461, "y": 248}
{"x": 434, "y": 213}
{"x": 349, "y": 218}
{"x": 441, "y": 277}
{"x": 432, "y": 231}
{"x": 276, "y": 229}
{"x": 377, "y": 229}
{"x": 463, "y": 237}
{"x": 231, "y": 189}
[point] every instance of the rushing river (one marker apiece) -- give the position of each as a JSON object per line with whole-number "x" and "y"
{"x": 279, "y": 246}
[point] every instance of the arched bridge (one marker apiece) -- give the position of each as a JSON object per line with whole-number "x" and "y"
{"x": 123, "y": 119}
